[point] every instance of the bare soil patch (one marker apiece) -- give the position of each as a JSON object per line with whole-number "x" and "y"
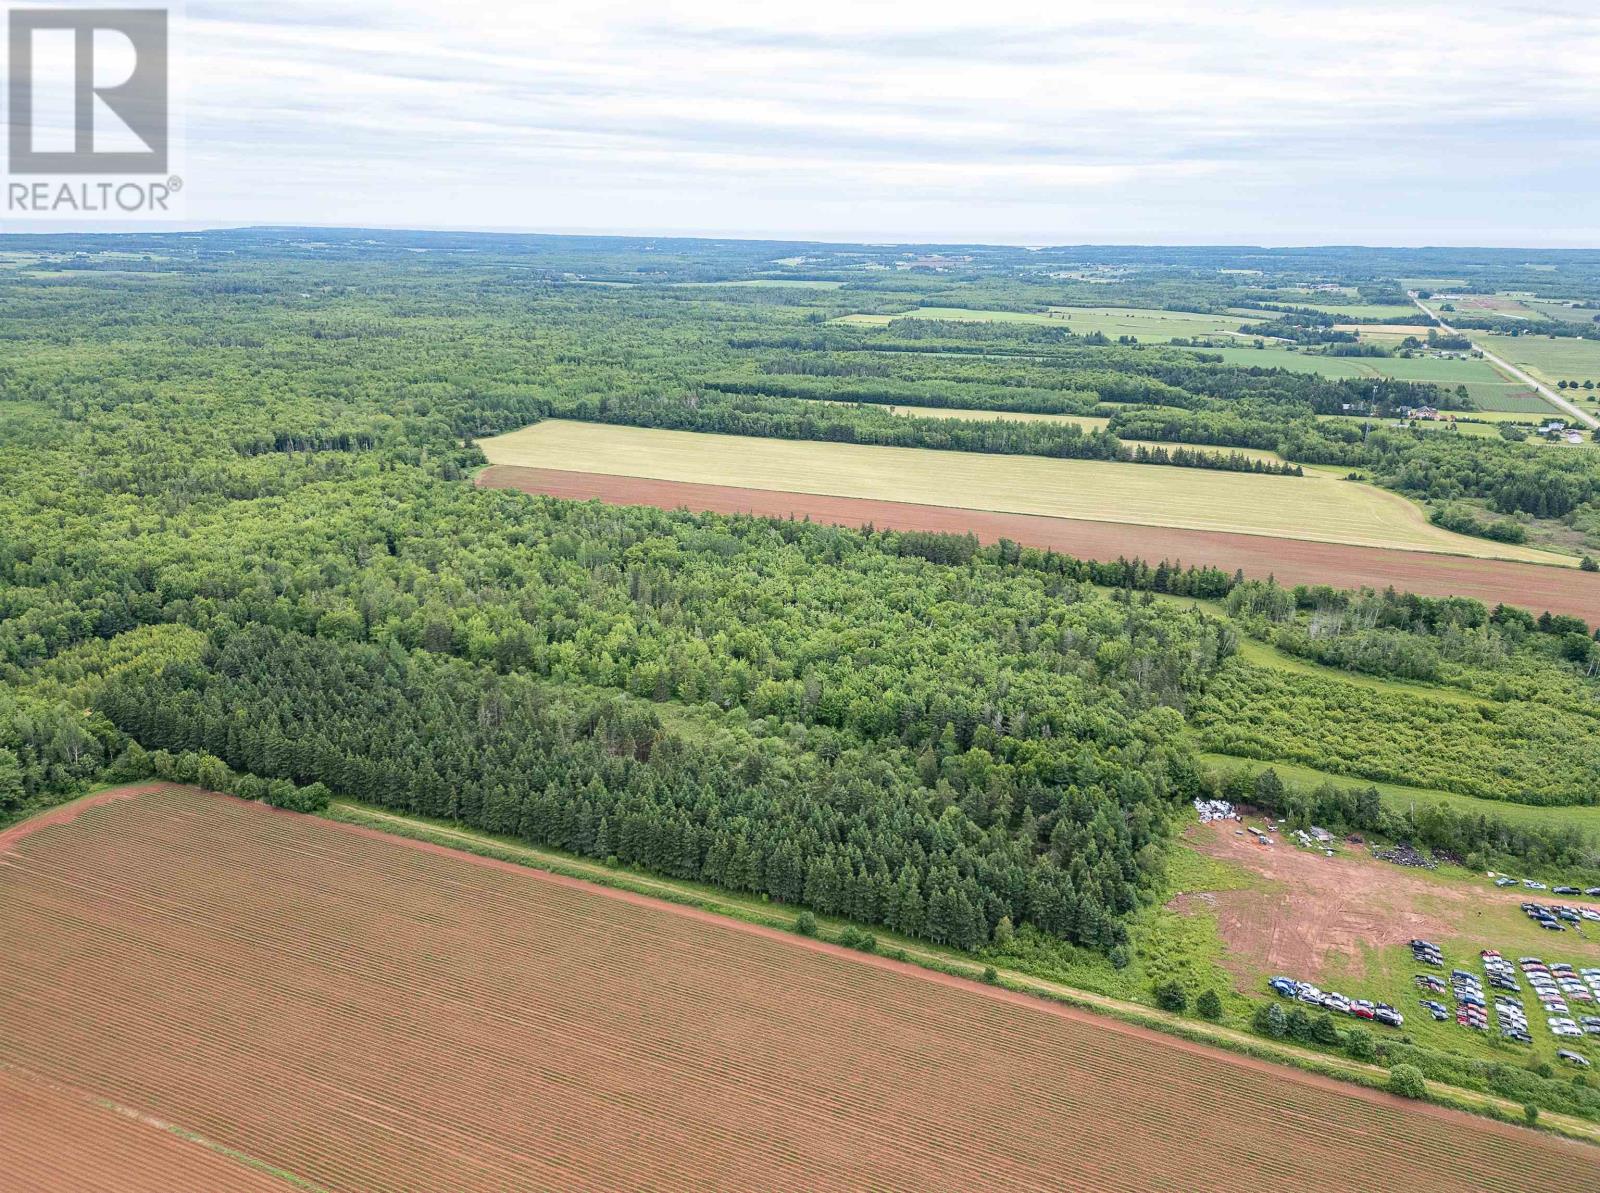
{"x": 1314, "y": 907}
{"x": 1532, "y": 586}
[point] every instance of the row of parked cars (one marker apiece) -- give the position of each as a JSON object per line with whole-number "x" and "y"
{"x": 1507, "y": 880}
{"x": 1332, "y": 1000}
{"x": 1557, "y": 984}
{"x": 1555, "y": 918}
{"x": 1510, "y": 1015}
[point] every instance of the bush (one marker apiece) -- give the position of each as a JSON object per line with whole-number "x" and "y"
{"x": 806, "y": 924}
{"x": 1325, "y": 1031}
{"x": 854, "y": 938}
{"x": 1171, "y": 996}
{"x": 281, "y": 793}
{"x": 1208, "y": 1006}
{"x": 1530, "y": 1112}
{"x": 990, "y": 976}
{"x": 1407, "y": 1082}
{"x": 1589, "y": 565}
{"x": 1359, "y": 1045}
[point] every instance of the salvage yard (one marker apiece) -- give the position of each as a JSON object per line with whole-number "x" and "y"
{"x": 1348, "y": 922}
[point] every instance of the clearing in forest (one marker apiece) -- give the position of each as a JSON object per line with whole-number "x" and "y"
{"x": 1313, "y": 507}
{"x": 347, "y": 1010}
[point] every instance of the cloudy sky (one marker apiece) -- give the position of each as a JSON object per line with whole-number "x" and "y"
{"x": 1342, "y": 121}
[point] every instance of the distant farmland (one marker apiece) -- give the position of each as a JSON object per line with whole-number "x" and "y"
{"x": 1485, "y": 385}
{"x": 1312, "y": 507}
{"x": 1150, "y": 325}
{"x": 214, "y": 984}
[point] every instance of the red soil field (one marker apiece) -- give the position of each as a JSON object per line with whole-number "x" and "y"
{"x": 54, "y": 1139}
{"x": 364, "y": 1012}
{"x": 1531, "y": 586}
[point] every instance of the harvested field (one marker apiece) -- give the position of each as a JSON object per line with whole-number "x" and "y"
{"x": 1560, "y": 590}
{"x": 362, "y": 1012}
{"x": 1315, "y": 507}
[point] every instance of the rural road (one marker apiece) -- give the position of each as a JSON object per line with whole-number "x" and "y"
{"x": 1512, "y": 371}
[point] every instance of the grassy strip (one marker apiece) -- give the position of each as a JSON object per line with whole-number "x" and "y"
{"x": 931, "y": 957}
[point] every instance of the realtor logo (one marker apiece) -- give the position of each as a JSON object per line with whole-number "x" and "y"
{"x": 88, "y": 91}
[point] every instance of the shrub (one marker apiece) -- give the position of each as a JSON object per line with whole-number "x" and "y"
{"x": 1359, "y": 1045}
{"x": 1589, "y": 565}
{"x": 990, "y": 976}
{"x": 1530, "y": 1112}
{"x": 1407, "y": 1082}
{"x": 1171, "y": 996}
{"x": 854, "y": 938}
{"x": 806, "y": 924}
{"x": 1208, "y": 1006}
{"x": 1324, "y": 1031}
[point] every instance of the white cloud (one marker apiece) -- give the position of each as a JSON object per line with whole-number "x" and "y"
{"x": 1274, "y": 122}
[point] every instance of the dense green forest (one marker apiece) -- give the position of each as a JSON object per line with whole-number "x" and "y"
{"x": 241, "y": 544}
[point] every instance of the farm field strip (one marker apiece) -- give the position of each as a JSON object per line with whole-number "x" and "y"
{"x": 1310, "y": 507}
{"x": 366, "y": 1012}
{"x": 1088, "y": 422}
{"x": 1560, "y": 590}
{"x": 1147, "y": 323}
{"x": 1484, "y": 383}
{"x": 1400, "y": 796}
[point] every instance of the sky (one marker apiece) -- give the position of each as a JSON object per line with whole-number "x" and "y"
{"x": 1143, "y": 121}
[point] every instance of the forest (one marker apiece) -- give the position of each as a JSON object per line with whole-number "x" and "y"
{"x": 241, "y": 546}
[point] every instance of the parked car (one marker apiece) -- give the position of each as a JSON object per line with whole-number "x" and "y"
{"x": 1566, "y": 890}
{"x": 1572, "y": 1058}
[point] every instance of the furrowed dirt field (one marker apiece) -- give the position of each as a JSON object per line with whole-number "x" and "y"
{"x": 54, "y": 1139}
{"x": 1560, "y": 590}
{"x": 361, "y": 1012}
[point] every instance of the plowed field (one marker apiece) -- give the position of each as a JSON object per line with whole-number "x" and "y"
{"x": 361, "y": 1012}
{"x": 1560, "y": 590}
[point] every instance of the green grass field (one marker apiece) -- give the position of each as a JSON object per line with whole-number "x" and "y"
{"x": 1482, "y": 430}
{"x": 1549, "y": 359}
{"x": 1312, "y": 507}
{"x": 1561, "y": 312}
{"x": 1487, "y": 387}
{"x": 1387, "y": 313}
{"x": 1399, "y": 795}
{"x": 801, "y": 283}
{"x": 1089, "y": 422}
